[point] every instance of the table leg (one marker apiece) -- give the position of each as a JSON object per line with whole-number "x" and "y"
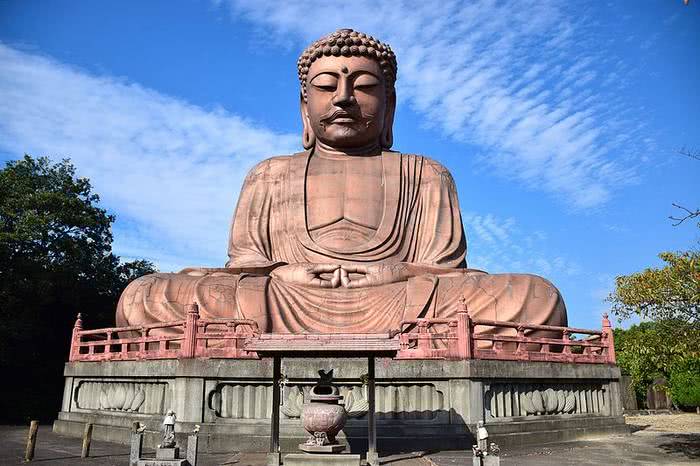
{"x": 372, "y": 456}
{"x": 273, "y": 457}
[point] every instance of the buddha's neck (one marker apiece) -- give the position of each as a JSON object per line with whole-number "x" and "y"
{"x": 326, "y": 151}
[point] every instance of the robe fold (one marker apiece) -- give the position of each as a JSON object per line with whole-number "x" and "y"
{"x": 420, "y": 224}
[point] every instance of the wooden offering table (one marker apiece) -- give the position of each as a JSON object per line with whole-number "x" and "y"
{"x": 278, "y": 346}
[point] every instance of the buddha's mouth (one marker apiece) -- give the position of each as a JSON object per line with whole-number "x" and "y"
{"x": 340, "y": 117}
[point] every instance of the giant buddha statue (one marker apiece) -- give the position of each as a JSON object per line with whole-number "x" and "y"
{"x": 347, "y": 236}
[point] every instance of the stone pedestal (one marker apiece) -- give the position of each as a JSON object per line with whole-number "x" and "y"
{"x": 165, "y": 457}
{"x": 486, "y": 461}
{"x": 320, "y": 459}
{"x": 423, "y": 404}
{"x": 337, "y": 448}
{"x": 157, "y": 462}
{"x": 167, "y": 453}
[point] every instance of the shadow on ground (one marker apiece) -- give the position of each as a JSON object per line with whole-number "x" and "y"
{"x": 686, "y": 444}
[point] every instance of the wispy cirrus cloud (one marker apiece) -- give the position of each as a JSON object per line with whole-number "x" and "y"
{"x": 170, "y": 169}
{"x": 522, "y": 80}
{"x": 499, "y": 245}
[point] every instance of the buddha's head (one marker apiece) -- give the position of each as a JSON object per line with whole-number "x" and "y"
{"x": 347, "y": 91}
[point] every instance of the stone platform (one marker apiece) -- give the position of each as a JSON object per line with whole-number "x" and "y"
{"x": 421, "y": 404}
{"x": 320, "y": 459}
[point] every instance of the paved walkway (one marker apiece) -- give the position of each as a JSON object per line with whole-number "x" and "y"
{"x": 642, "y": 447}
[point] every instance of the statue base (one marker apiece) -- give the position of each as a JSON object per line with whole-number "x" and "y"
{"x": 420, "y": 404}
{"x": 335, "y": 448}
{"x": 170, "y": 453}
{"x": 165, "y": 457}
{"x": 320, "y": 459}
{"x": 157, "y": 462}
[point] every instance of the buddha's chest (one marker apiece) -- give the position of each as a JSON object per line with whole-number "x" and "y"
{"x": 344, "y": 199}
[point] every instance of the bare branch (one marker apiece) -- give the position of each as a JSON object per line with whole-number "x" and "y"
{"x": 688, "y": 215}
{"x": 692, "y": 153}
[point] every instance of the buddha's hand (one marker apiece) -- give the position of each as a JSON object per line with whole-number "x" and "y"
{"x": 316, "y": 275}
{"x": 362, "y": 276}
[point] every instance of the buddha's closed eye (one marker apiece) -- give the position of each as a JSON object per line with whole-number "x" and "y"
{"x": 366, "y": 82}
{"x": 325, "y": 82}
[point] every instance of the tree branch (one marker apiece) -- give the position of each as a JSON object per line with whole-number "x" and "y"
{"x": 688, "y": 215}
{"x": 693, "y": 154}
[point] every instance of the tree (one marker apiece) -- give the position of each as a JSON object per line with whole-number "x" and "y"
{"x": 56, "y": 260}
{"x": 646, "y": 352}
{"x": 685, "y": 384}
{"x": 667, "y": 299}
{"x": 671, "y": 293}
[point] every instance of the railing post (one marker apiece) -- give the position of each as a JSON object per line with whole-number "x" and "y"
{"x": 609, "y": 337}
{"x": 108, "y": 347}
{"x": 464, "y": 336}
{"x": 519, "y": 346}
{"x": 233, "y": 331}
{"x": 189, "y": 344}
{"x": 143, "y": 346}
{"x": 454, "y": 341}
{"x": 565, "y": 337}
{"x": 423, "y": 343}
{"x": 464, "y": 332}
{"x": 74, "y": 352}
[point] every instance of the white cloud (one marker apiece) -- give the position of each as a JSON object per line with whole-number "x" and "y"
{"x": 524, "y": 80}
{"x": 169, "y": 169}
{"x": 499, "y": 245}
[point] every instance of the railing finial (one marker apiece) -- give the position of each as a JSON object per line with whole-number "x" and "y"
{"x": 609, "y": 339}
{"x": 463, "y": 301}
{"x": 74, "y": 350}
{"x": 192, "y": 308}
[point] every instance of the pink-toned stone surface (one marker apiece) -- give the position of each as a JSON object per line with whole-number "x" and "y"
{"x": 458, "y": 338}
{"x": 347, "y": 236}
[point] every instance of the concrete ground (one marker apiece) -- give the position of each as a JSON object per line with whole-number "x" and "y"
{"x": 658, "y": 439}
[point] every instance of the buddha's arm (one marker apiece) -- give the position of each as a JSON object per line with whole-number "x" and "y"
{"x": 314, "y": 275}
{"x": 250, "y": 244}
{"x": 361, "y": 275}
{"x": 253, "y": 270}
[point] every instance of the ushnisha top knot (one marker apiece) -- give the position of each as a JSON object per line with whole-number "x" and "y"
{"x": 348, "y": 43}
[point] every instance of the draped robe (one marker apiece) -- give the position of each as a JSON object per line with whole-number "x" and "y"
{"x": 420, "y": 225}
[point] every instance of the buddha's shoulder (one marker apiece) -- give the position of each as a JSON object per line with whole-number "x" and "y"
{"x": 431, "y": 168}
{"x": 273, "y": 167}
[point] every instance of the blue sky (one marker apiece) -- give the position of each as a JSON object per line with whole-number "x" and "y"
{"x": 560, "y": 121}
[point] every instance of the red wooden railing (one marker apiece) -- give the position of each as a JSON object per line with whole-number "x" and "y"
{"x": 467, "y": 338}
{"x": 459, "y": 338}
{"x": 189, "y": 338}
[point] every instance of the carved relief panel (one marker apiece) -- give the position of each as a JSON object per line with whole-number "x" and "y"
{"x": 419, "y": 401}
{"x": 131, "y": 397}
{"x": 502, "y": 400}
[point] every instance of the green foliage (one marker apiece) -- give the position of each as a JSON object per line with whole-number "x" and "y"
{"x": 668, "y": 293}
{"x": 668, "y": 300}
{"x": 653, "y": 349}
{"x": 56, "y": 260}
{"x": 685, "y": 383}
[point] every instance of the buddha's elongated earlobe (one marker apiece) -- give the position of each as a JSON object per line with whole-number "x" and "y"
{"x": 308, "y": 138}
{"x": 387, "y": 137}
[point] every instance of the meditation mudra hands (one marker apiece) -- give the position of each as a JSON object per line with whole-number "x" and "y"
{"x": 334, "y": 276}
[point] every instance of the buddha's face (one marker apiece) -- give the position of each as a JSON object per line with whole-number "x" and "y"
{"x": 346, "y": 101}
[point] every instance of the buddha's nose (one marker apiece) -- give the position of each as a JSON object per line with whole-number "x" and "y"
{"x": 344, "y": 97}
